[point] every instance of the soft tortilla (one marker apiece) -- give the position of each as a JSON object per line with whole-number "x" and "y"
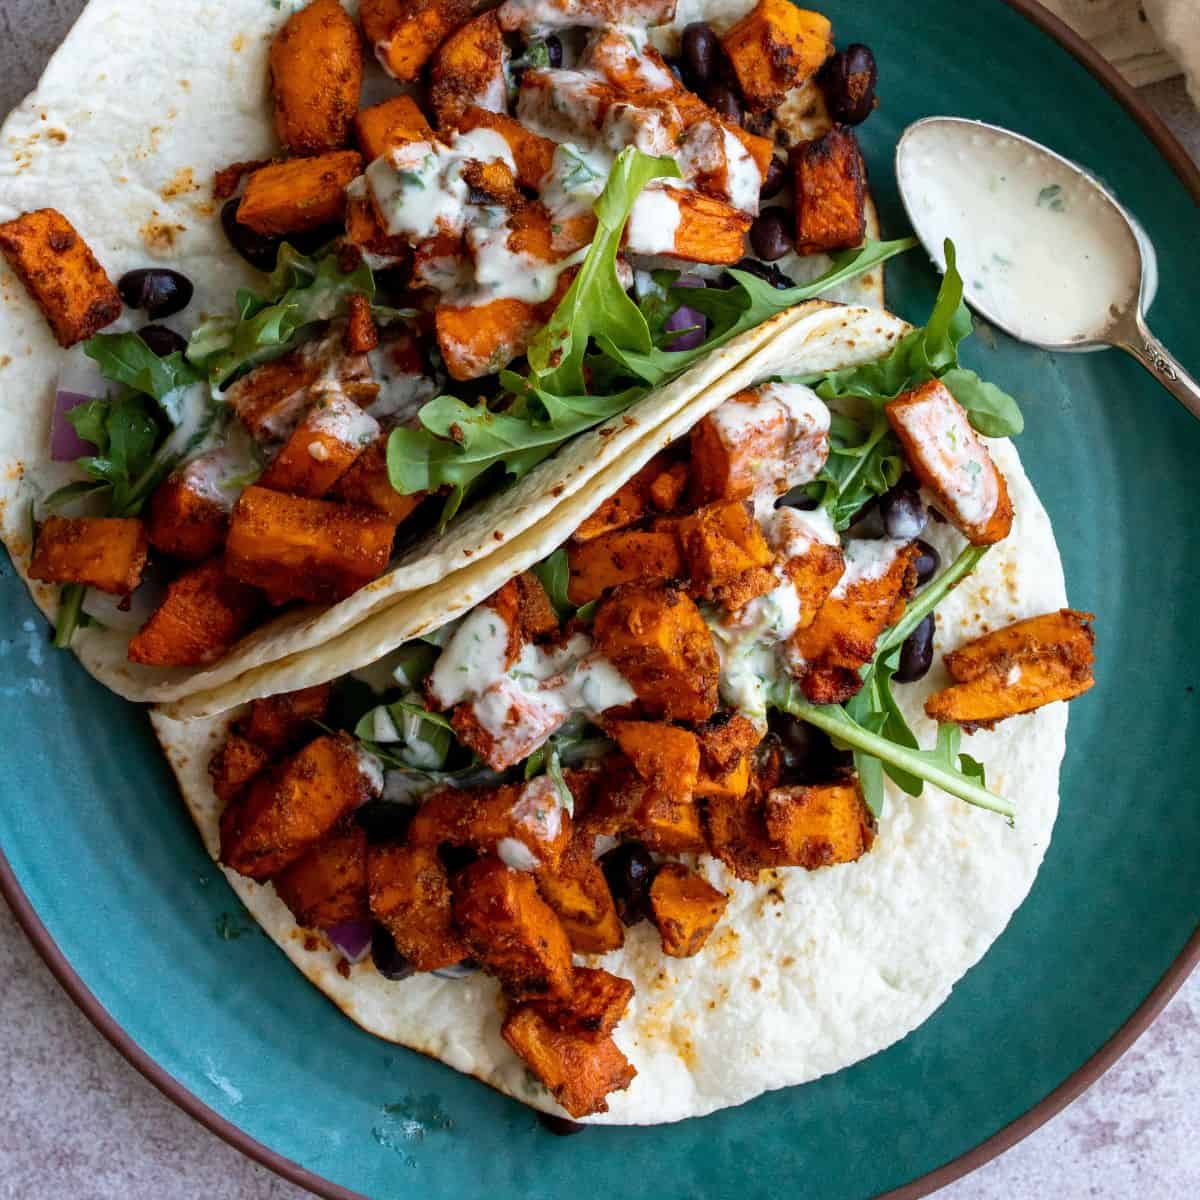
{"x": 144, "y": 101}
{"x": 809, "y": 971}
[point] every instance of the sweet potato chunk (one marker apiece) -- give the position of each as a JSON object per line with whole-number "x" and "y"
{"x": 282, "y": 723}
{"x": 480, "y": 339}
{"x": 828, "y": 181}
{"x": 666, "y": 760}
{"x": 396, "y": 121}
{"x": 405, "y": 33}
{"x": 597, "y": 1004}
{"x": 295, "y": 548}
{"x": 812, "y": 565}
{"x": 361, "y": 334}
{"x": 60, "y": 273}
{"x": 234, "y": 765}
{"x": 511, "y": 930}
{"x": 737, "y": 832}
{"x": 842, "y": 636}
{"x": 659, "y": 484}
{"x": 328, "y": 886}
{"x": 536, "y": 16}
{"x": 516, "y": 724}
{"x": 952, "y": 461}
{"x": 410, "y": 898}
{"x": 316, "y": 69}
{"x": 685, "y": 908}
{"x": 579, "y": 894}
{"x": 621, "y": 557}
{"x": 322, "y": 448}
{"x": 579, "y": 1071}
{"x": 287, "y": 810}
{"x": 725, "y": 745}
{"x": 300, "y": 194}
{"x": 107, "y": 553}
{"x": 707, "y": 231}
{"x": 203, "y": 614}
{"x": 775, "y": 47}
{"x": 1017, "y": 669}
{"x": 365, "y": 230}
{"x": 366, "y": 485}
{"x": 468, "y": 71}
{"x": 655, "y": 636}
{"x": 818, "y": 826}
{"x": 188, "y": 514}
{"x": 632, "y": 71}
{"x": 727, "y": 556}
{"x": 525, "y": 608}
{"x": 531, "y": 153}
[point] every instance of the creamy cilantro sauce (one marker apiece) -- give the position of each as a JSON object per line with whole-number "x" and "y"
{"x": 1039, "y": 247}
{"x": 540, "y": 16}
{"x": 867, "y": 559}
{"x": 653, "y": 221}
{"x": 340, "y": 418}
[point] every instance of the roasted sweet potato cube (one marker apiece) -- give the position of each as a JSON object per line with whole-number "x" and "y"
{"x": 527, "y": 722}
{"x": 233, "y": 766}
{"x": 659, "y": 483}
{"x": 366, "y": 485}
{"x": 468, "y": 71}
{"x": 511, "y": 930}
{"x": 842, "y": 636}
{"x": 578, "y": 892}
{"x": 591, "y": 14}
{"x": 726, "y": 553}
{"x": 189, "y": 514}
{"x": 1017, "y": 669}
{"x": 492, "y": 181}
{"x": 322, "y": 448}
{"x": 300, "y": 194}
{"x": 361, "y": 334}
{"x": 295, "y": 548}
{"x": 685, "y": 909}
{"x": 667, "y": 761}
{"x": 829, "y": 185}
{"x": 737, "y": 832}
{"x": 655, "y": 636}
{"x": 952, "y": 461}
{"x": 707, "y": 230}
{"x": 480, "y": 339}
{"x": 410, "y": 897}
{"x": 316, "y": 70}
{"x": 632, "y": 71}
{"x": 365, "y": 230}
{"x": 328, "y": 886}
{"x": 282, "y": 723}
{"x": 598, "y": 1002}
{"x": 396, "y": 121}
{"x": 812, "y": 565}
{"x": 107, "y": 553}
{"x": 405, "y": 33}
{"x": 621, "y": 557}
{"x": 668, "y": 486}
{"x": 288, "y": 810}
{"x": 579, "y": 1071}
{"x": 203, "y": 614}
{"x": 60, "y": 273}
{"x": 532, "y": 154}
{"x": 525, "y": 608}
{"x": 775, "y": 47}
{"x": 818, "y": 826}
{"x": 668, "y": 824}
{"x": 725, "y": 746}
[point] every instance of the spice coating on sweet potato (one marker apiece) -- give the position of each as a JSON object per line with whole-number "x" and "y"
{"x": 185, "y": 519}
{"x": 405, "y": 33}
{"x": 468, "y": 71}
{"x": 60, "y": 273}
{"x": 233, "y": 766}
{"x": 366, "y": 485}
{"x": 382, "y": 126}
{"x": 726, "y": 553}
{"x": 316, "y": 70}
{"x": 597, "y": 1004}
{"x": 479, "y": 339}
{"x": 203, "y": 614}
{"x": 776, "y": 46}
{"x": 107, "y": 553}
{"x": 818, "y": 826}
{"x": 666, "y": 761}
{"x": 410, "y": 898}
{"x": 322, "y": 448}
{"x": 300, "y": 194}
{"x": 1017, "y": 669}
{"x": 512, "y": 930}
{"x": 531, "y": 153}
{"x": 282, "y": 723}
{"x": 296, "y": 548}
{"x": 623, "y": 556}
{"x": 685, "y": 909}
{"x": 580, "y": 896}
{"x": 328, "y": 885}
{"x": 709, "y": 230}
{"x": 829, "y": 185}
{"x": 952, "y": 461}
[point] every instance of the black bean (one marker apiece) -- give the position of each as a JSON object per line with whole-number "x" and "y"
{"x": 256, "y": 248}
{"x": 776, "y": 178}
{"x": 384, "y": 820}
{"x": 806, "y": 753}
{"x": 866, "y": 522}
{"x": 560, "y": 1126}
{"x": 457, "y": 858}
{"x": 904, "y": 515}
{"x": 765, "y": 271}
{"x": 311, "y": 240}
{"x": 724, "y": 100}
{"x": 553, "y": 50}
{"x": 799, "y": 498}
{"x": 157, "y": 290}
{"x": 161, "y": 340}
{"x": 926, "y": 563}
{"x": 389, "y": 962}
{"x": 629, "y": 870}
{"x": 848, "y": 81}
{"x": 701, "y": 54}
{"x": 916, "y": 655}
{"x": 771, "y": 234}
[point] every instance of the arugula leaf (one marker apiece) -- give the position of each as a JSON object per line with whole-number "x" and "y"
{"x": 125, "y": 358}
{"x": 300, "y": 291}
{"x": 555, "y": 576}
{"x": 864, "y": 461}
{"x": 125, "y": 435}
{"x": 993, "y": 412}
{"x": 70, "y": 610}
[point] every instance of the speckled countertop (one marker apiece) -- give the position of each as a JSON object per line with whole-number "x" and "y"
{"x": 79, "y": 1122}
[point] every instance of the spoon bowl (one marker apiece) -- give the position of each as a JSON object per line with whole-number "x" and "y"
{"x": 1047, "y": 253}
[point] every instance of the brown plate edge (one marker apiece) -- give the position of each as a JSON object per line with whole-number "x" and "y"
{"x": 1072, "y": 1087}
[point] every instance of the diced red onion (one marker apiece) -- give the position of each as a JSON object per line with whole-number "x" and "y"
{"x": 352, "y": 938}
{"x": 689, "y": 281}
{"x": 65, "y": 444}
{"x": 694, "y": 322}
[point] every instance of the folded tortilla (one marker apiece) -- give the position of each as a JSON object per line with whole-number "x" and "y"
{"x": 809, "y": 971}
{"x": 138, "y": 109}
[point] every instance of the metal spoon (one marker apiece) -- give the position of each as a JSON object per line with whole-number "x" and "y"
{"x": 988, "y": 187}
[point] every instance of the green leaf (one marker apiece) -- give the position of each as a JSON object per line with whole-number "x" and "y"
{"x": 555, "y": 576}
{"x": 70, "y": 607}
{"x": 992, "y": 411}
{"x": 90, "y": 420}
{"x": 864, "y": 461}
{"x": 125, "y": 358}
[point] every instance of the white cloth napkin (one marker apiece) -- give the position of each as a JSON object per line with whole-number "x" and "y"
{"x": 1178, "y": 25}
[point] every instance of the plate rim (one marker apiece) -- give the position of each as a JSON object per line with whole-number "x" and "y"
{"x": 1096, "y": 1065}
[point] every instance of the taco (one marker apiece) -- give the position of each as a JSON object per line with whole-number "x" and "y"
{"x": 673, "y": 806}
{"x": 298, "y": 356}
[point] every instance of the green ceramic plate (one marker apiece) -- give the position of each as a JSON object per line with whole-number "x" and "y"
{"x": 109, "y": 877}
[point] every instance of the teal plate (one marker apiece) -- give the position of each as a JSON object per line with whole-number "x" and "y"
{"x": 110, "y": 880}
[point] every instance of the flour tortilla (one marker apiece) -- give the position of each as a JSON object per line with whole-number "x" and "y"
{"x": 144, "y": 101}
{"x": 808, "y": 972}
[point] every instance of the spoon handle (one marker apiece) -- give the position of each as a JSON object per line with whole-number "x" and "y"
{"x": 1136, "y": 339}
